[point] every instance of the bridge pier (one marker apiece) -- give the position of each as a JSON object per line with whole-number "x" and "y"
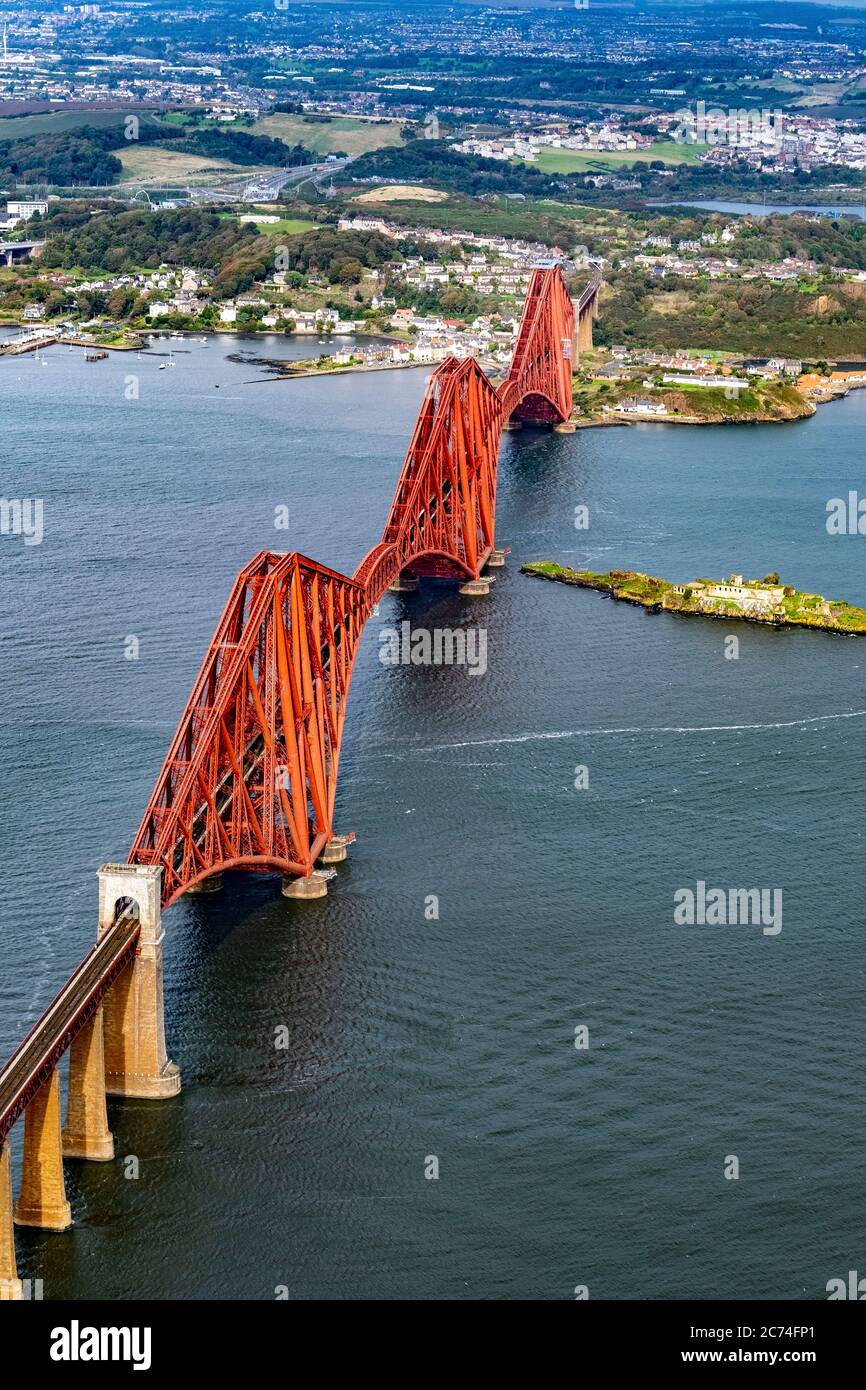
{"x": 213, "y": 884}
{"x": 314, "y": 885}
{"x": 86, "y": 1133}
{"x": 496, "y": 559}
{"x": 42, "y": 1199}
{"x": 136, "y": 1061}
{"x": 337, "y": 849}
{"x": 11, "y": 1287}
{"x": 404, "y": 584}
{"x": 476, "y": 588}
{"x": 584, "y": 332}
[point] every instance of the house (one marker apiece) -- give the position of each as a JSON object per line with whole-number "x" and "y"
{"x": 637, "y": 405}
{"x": 848, "y": 378}
{"x": 785, "y": 366}
{"x": 22, "y": 209}
{"x": 675, "y": 379}
{"x": 750, "y": 595}
{"x": 612, "y": 372}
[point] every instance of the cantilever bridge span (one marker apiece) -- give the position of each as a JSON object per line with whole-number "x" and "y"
{"x": 250, "y": 778}
{"x": 251, "y": 775}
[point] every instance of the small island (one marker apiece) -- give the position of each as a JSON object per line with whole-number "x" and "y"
{"x": 765, "y": 600}
{"x": 719, "y": 400}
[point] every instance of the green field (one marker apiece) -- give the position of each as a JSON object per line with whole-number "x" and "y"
{"x": 287, "y": 226}
{"x": 347, "y": 133}
{"x": 551, "y": 161}
{"x": 57, "y": 122}
{"x": 156, "y": 165}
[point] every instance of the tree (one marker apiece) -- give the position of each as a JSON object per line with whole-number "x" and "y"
{"x": 349, "y": 272}
{"x": 120, "y": 301}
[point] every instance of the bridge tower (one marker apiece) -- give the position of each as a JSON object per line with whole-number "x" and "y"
{"x": 136, "y": 1060}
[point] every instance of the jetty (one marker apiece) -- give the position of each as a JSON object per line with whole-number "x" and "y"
{"x": 32, "y": 341}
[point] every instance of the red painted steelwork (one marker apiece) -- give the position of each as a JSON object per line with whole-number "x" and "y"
{"x": 251, "y": 775}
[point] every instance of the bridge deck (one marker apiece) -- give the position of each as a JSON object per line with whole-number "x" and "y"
{"x": 589, "y": 291}
{"x": 36, "y": 1057}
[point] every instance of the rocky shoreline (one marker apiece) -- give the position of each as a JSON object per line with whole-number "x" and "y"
{"x": 766, "y": 602}
{"x": 594, "y": 422}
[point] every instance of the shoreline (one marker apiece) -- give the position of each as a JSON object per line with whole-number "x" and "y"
{"x": 654, "y": 601}
{"x": 811, "y": 403}
{"x": 613, "y": 420}
{"x": 593, "y": 423}
{"x": 348, "y": 370}
{"x": 589, "y": 422}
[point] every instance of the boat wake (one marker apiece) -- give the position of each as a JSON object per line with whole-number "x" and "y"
{"x": 541, "y": 737}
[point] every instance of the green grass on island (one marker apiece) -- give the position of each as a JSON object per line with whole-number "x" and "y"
{"x": 766, "y": 600}
{"x": 744, "y": 401}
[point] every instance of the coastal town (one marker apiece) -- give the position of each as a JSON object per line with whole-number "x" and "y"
{"x": 397, "y": 313}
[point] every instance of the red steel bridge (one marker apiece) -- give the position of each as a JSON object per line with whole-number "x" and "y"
{"x": 250, "y": 778}
{"x": 251, "y": 775}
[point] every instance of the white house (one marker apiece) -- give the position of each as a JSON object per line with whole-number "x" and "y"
{"x": 22, "y": 209}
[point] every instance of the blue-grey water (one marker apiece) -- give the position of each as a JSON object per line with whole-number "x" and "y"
{"x": 758, "y": 209}
{"x": 413, "y": 1036}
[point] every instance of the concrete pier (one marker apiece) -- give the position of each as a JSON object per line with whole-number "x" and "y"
{"x": 476, "y": 588}
{"x": 315, "y": 885}
{"x": 136, "y": 1061}
{"x": 42, "y": 1199}
{"x": 565, "y": 427}
{"x": 403, "y": 584}
{"x": 86, "y": 1133}
{"x": 336, "y": 850}
{"x": 511, "y": 425}
{"x": 496, "y": 559}
{"x": 11, "y": 1288}
{"x": 213, "y": 884}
